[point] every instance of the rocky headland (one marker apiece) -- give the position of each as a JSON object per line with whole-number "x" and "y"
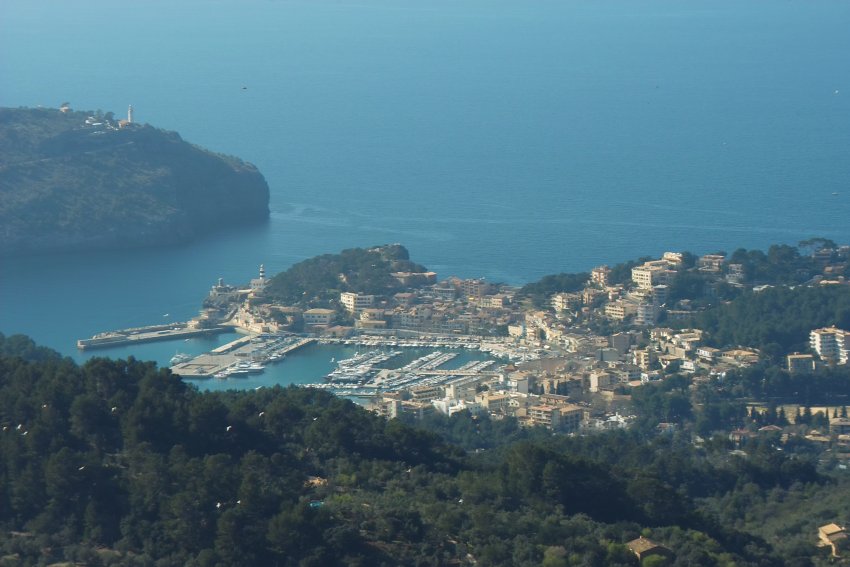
{"x": 77, "y": 181}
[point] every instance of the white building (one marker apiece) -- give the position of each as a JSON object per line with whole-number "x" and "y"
{"x": 620, "y": 309}
{"x": 566, "y": 301}
{"x": 354, "y": 302}
{"x": 601, "y": 276}
{"x": 651, "y": 274}
{"x": 600, "y": 380}
{"x": 258, "y": 284}
{"x": 646, "y": 313}
{"x": 318, "y": 316}
{"x": 450, "y": 406}
{"x": 831, "y": 344}
{"x": 711, "y": 262}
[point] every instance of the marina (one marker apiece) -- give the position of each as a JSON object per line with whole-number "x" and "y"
{"x": 363, "y": 376}
{"x": 355, "y": 366}
{"x": 363, "y": 365}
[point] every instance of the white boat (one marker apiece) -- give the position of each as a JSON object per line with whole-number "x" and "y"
{"x": 180, "y": 358}
{"x": 248, "y": 368}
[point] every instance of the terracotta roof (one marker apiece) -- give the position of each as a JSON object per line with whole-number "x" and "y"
{"x": 830, "y": 529}
{"x": 642, "y": 545}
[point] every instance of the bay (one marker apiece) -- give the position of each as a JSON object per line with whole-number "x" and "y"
{"x": 499, "y": 139}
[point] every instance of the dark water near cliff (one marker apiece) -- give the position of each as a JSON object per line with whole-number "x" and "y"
{"x": 499, "y": 139}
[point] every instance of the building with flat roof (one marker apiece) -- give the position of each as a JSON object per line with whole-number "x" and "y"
{"x": 318, "y": 316}
{"x": 566, "y": 301}
{"x": 354, "y": 302}
{"x": 619, "y": 310}
{"x": 545, "y": 415}
{"x": 800, "y": 362}
{"x": 832, "y": 344}
{"x": 651, "y": 274}
{"x": 601, "y": 276}
{"x": 711, "y": 262}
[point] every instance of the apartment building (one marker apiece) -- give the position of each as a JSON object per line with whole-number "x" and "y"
{"x": 601, "y": 276}
{"x": 566, "y": 301}
{"x": 831, "y": 344}
{"x": 355, "y": 302}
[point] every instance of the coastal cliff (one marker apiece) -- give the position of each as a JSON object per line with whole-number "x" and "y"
{"x": 82, "y": 181}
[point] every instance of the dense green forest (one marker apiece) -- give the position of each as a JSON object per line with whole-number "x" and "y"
{"x": 319, "y": 280}
{"x": 121, "y": 463}
{"x": 780, "y": 265}
{"x": 776, "y": 320}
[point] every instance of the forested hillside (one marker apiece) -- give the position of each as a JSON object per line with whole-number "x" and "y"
{"x": 319, "y": 280}
{"x": 121, "y": 463}
{"x": 776, "y": 320}
{"x": 79, "y": 181}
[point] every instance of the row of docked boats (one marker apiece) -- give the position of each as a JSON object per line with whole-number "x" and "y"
{"x": 359, "y": 368}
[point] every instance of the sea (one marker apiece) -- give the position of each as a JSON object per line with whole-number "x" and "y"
{"x": 498, "y": 139}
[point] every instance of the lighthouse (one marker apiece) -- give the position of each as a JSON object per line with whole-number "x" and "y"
{"x": 130, "y": 114}
{"x": 258, "y": 284}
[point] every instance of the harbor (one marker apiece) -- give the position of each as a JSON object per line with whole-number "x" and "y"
{"x": 365, "y": 365}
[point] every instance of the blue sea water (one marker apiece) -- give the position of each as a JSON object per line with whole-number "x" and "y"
{"x": 493, "y": 138}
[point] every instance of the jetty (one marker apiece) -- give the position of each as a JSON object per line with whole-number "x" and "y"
{"x": 164, "y": 332}
{"x": 262, "y": 349}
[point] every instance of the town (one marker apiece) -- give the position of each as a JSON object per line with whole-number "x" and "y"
{"x": 567, "y": 360}
{"x": 735, "y": 362}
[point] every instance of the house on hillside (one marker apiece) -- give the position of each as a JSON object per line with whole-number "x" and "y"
{"x": 833, "y": 536}
{"x": 643, "y": 547}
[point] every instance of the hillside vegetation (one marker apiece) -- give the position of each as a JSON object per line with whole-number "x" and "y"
{"x": 117, "y": 462}
{"x": 319, "y": 280}
{"x": 776, "y": 320}
{"x": 66, "y": 184}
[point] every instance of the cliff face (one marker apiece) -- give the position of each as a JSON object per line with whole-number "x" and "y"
{"x": 71, "y": 181}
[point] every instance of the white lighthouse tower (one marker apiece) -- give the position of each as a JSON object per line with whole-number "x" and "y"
{"x": 258, "y": 284}
{"x": 130, "y": 114}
